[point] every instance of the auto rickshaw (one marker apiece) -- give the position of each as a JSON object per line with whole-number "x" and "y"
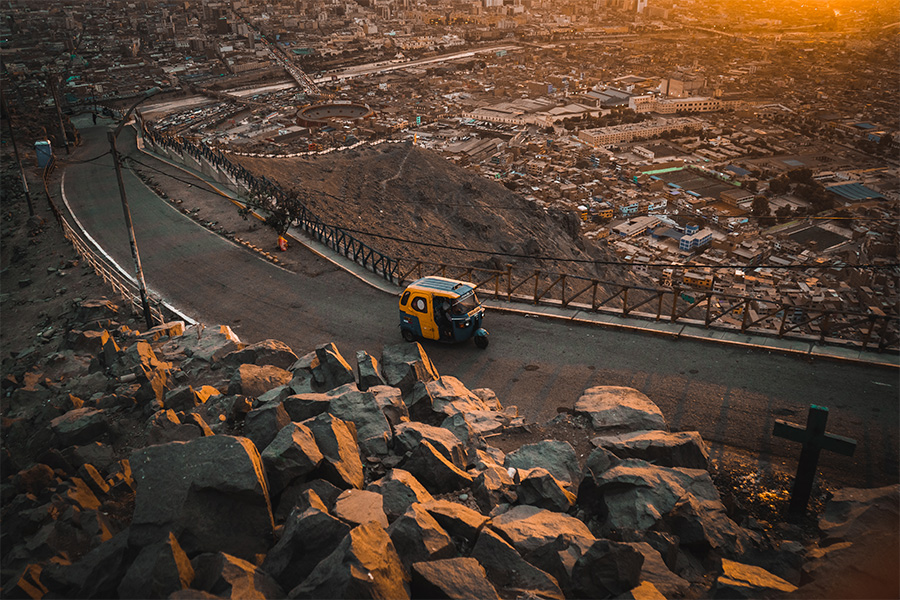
{"x": 446, "y": 310}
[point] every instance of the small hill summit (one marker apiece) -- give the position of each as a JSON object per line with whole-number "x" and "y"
{"x": 183, "y": 463}
{"x": 401, "y": 191}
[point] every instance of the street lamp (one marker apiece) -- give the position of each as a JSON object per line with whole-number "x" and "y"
{"x": 111, "y": 135}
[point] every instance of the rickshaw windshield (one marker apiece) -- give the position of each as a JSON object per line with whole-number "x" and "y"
{"x": 464, "y": 304}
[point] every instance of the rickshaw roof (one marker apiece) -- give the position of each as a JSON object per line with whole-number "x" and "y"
{"x": 451, "y": 287}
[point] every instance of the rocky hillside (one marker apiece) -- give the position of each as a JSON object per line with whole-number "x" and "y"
{"x": 181, "y": 463}
{"x": 403, "y": 191}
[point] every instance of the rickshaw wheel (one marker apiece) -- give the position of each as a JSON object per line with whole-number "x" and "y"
{"x": 481, "y": 341}
{"x": 408, "y": 335}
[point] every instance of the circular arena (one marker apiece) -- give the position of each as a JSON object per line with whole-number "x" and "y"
{"x": 319, "y": 115}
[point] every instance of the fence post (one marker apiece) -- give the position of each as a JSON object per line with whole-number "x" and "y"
{"x": 676, "y": 294}
{"x": 508, "y": 282}
{"x": 537, "y": 278}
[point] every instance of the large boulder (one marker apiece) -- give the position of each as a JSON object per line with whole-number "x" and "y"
{"x": 436, "y": 473}
{"x": 390, "y": 400}
{"x": 210, "y": 492}
{"x": 747, "y": 581}
{"x": 492, "y": 487}
{"x": 97, "y": 574}
{"x": 360, "y": 506}
{"x": 206, "y": 344}
{"x": 680, "y": 449}
{"x": 79, "y": 426}
{"x": 441, "y": 398}
{"x": 556, "y": 457}
{"x": 528, "y": 528}
{"x": 331, "y": 370}
{"x": 158, "y": 570}
{"x": 461, "y": 522}
{"x": 363, "y": 410}
{"x": 308, "y": 537}
{"x": 399, "y": 489}
{"x": 266, "y": 352}
{"x": 262, "y": 424}
{"x": 306, "y": 405}
{"x": 408, "y": 435}
{"x": 291, "y": 455}
{"x": 606, "y": 570}
{"x": 251, "y": 380}
{"x": 227, "y": 576}
{"x": 655, "y": 571}
{"x": 337, "y": 441}
{"x": 638, "y": 495}
{"x": 509, "y": 572}
{"x": 538, "y": 487}
{"x": 456, "y": 578}
{"x": 402, "y": 365}
{"x": 417, "y": 536}
{"x": 364, "y": 565}
{"x": 614, "y": 409}
{"x": 367, "y": 367}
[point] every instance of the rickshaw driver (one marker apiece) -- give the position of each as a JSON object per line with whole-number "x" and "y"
{"x": 442, "y": 316}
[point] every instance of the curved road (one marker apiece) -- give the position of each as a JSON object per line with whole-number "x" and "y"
{"x": 731, "y": 395}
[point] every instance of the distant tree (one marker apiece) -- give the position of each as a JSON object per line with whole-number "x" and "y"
{"x": 783, "y": 213}
{"x": 779, "y": 185}
{"x": 803, "y": 175}
{"x": 760, "y": 207}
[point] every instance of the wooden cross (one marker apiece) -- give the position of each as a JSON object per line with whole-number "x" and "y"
{"x": 813, "y": 439}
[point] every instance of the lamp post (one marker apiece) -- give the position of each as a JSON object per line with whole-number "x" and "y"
{"x": 111, "y": 136}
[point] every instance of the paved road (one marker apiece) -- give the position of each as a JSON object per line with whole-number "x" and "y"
{"x": 731, "y": 395}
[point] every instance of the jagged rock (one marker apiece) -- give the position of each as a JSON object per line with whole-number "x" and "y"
{"x": 481, "y": 422}
{"x": 337, "y": 441}
{"x": 362, "y": 409}
{"x": 367, "y": 367}
{"x": 436, "y": 473}
{"x": 509, "y": 572}
{"x": 598, "y": 461}
{"x": 857, "y": 557}
{"x": 317, "y": 493}
{"x": 528, "y": 528}
{"x": 446, "y": 396}
{"x": 301, "y": 407}
{"x": 35, "y": 480}
{"x": 267, "y": 352}
{"x": 360, "y": 506}
{"x": 91, "y": 476}
{"x": 204, "y": 344}
{"x": 399, "y": 489}
{"x": 404, "y": 364}
{"x": 95, "y": 575}
{"x": 195, "y": 489}
{"x": 157, "y": 571}
{"x": 461, "y": 522}
{"x": 251, "y": 380}
{"x": 291, "y": 455}
{"x": 165, "y": 426}
{"x": 456, "y": 578}
{"x": 79, "y": 426}
{"x": 489, "y": 398}
{"x": 170, "y": 329}
{"x": 606, "y": 569}
{"x": 460, "y": 427}
{"x": 614, "y": 409}
{"x": 228, "y": 576}
{"x": 408, "y": 435}
{"x": 276, "y": 395}
{"x": 95, "y": 309}
{"x": 681, "y": 449}
{"x": 364, "y": 565}
{"x": 26, "y": 583}
{"x": 309, "y": 536}
{"x": 92, "y": 342}
{"x": 262, "y": 424}
{"x": 86, "y": 385}
{"x": 390, "y": 400}
{"x": 746, "y": 581}
{"x": 493, "y": 486}
{"x": 656, "y": 572}
{"x": 538, "y": 487}
{"x": 486, "y": 457}
{"x": 186, "y": 398}
{"x": 637, "y": 495}
{"x": 556, "y": 457}
{"x": 332, "y": 370}
{"x": 417, "y": 536}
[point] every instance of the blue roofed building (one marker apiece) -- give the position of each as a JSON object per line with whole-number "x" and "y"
{"x": 854, "y": 192}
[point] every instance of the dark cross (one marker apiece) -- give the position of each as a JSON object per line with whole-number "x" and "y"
{"x": 813, "y": 439}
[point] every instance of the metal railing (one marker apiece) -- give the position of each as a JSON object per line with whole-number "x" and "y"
{"x": 873, "y": 330}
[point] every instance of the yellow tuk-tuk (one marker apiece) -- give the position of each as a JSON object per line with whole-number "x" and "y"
{"x": 446, "y": 310}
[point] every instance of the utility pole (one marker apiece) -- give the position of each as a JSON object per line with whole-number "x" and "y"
{"x": 139, "y": 271}
{"x": 51, "y": 82}
{"x": 12, "y": 138}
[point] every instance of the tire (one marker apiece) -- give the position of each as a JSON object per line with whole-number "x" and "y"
{"x": 408, "y": 335}
{"x": 481, "y": 341}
